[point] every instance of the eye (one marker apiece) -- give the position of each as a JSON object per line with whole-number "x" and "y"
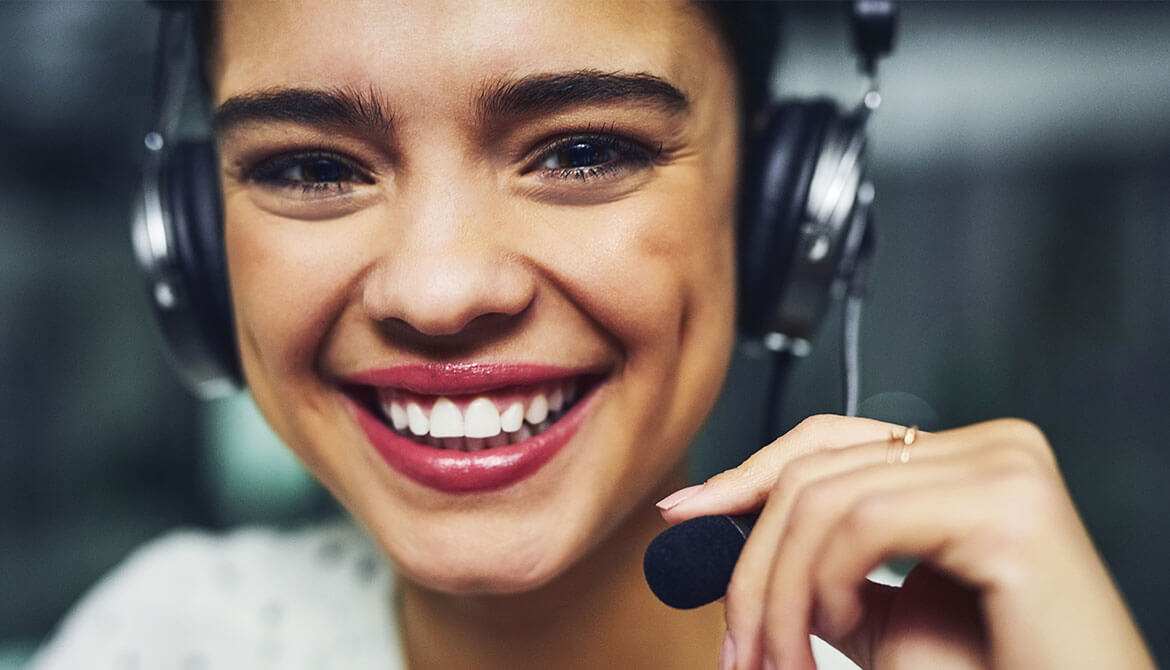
{"x": 584, "y": 157}
{"x": 580, "y": 153}
{"x": 312, "y": 173}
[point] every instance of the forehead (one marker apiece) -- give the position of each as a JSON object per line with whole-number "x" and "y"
{"x": 424, "y": 51}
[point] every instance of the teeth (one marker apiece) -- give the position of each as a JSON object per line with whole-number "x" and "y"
{"x": 419, "y": 424}
{"x": 556, "y": 400}
{"x": 512, "y": 418}
{"x": 481, "y": 425}
{"x": 482, "y": 418}
{"x": 538, "y": 410}
{"x": 398, "y": 416}
{"x": 446, "y": 419}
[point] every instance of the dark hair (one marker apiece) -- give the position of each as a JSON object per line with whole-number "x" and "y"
{"x": 752, "y": 33}
{"x": 750, "y": 28}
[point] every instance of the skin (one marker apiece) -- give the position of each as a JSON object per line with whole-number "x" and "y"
{"x": 1009, "y": 577}
{"x": 455, "y": 251}
{"x": 450, "y": 246}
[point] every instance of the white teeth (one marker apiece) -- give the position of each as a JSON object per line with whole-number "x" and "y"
{"x": 446, "y": 419}
{"x": 482, "y": 419}
{"x": 419, "y": 424}
{"x": 538, "y": 410}
{"x": 398, "y": 416}
{"x": 556, "y": 400}
{"x": 480, "y": 425}
{"x": 512, "y": 418}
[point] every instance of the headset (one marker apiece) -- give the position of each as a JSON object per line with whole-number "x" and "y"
{"x": 805, "y": 232}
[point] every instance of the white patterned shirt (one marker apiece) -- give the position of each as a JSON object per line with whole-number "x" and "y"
{"x": 318, "y": 598}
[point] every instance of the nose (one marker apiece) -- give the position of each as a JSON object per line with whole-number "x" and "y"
{"x": 447, "y": 265}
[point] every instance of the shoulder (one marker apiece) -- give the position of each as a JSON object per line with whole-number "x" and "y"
{"x": 253, "y": 597}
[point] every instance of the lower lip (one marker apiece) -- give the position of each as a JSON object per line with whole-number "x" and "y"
{"x": 471, "y": 471}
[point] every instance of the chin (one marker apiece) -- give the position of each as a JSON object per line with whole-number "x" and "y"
{"x": 469, "y": 568}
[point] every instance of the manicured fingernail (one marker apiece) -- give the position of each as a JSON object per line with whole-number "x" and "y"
{"x": 727, "y": 656}
{"x": 678, "y": 496}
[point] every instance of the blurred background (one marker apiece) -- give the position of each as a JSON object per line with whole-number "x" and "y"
{"x": 1021, "y": 165}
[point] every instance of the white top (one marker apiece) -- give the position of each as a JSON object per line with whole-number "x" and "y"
{"x": 254, "y": 598}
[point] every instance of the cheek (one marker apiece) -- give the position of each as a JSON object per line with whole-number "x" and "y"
{"x": 652, "y": 266}
{"x": 289, "y": 281}
{"x": 655, "y": 272}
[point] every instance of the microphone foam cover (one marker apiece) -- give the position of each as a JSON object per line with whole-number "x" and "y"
{"x": 690, "y": 564}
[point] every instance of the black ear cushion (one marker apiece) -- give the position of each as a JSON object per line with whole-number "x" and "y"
{"x": 782, "y": 157}
{"x": 195, "y": 207}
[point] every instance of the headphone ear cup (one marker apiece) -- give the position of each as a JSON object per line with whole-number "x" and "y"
{"x": 206, "y": 352}
{"x": 781, "y": 160}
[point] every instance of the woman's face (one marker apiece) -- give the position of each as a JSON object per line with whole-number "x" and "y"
{"x": 443, "y": 220}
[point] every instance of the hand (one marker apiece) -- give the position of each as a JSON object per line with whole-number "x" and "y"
{"x": 1008, "y": 575}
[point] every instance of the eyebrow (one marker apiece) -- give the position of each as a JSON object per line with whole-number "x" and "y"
{"x": 321, "y": 107}
{"x": 547, "y": 92}
{"x": 539, "y": 93}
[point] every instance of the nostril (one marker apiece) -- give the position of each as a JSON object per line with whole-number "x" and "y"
{"x": 478, "y": 331}
{"x": 447, "y": 296}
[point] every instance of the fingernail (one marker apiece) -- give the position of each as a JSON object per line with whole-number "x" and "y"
{"x": 727, "y": 656}
{"x": 678, "y": 496}
{"x": 769, "y": 664}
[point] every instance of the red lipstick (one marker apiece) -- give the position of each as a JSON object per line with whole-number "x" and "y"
{"x": 462, "y": 378}
{"x": 454, "y": 471}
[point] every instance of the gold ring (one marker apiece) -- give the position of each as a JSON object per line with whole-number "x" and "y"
{"x": 906, "y": 439}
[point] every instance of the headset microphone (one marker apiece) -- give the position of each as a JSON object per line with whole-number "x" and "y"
{"x": 809, "y": 233}
{"x": 176, "y": 226}
{"x": 803, "y": 229}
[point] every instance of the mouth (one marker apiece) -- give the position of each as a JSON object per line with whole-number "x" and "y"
{"x": 470, "y": 427}
{"x": 471, "y": 422}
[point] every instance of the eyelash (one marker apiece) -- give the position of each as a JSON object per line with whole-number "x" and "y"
{"x": 269, "y": 172}
{"x": 626, "y": 154}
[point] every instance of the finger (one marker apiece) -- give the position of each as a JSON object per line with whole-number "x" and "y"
{"x": 745, "y": 488}
{"x": 827, "y": 511}
{"x": 928, "y": 622}
{"x": 744, "y": 603}
{"x": 815, "y": 515}
{"x": 924, "y": 522}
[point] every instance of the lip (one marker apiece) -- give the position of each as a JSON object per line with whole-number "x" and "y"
{"x": 452, "y": 471}
{"x": 462, "y": 378}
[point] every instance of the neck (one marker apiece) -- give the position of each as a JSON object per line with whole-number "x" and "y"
{"x": 597, "y": 614}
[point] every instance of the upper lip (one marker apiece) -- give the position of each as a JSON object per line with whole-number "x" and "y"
{"x": 463, "y": 378}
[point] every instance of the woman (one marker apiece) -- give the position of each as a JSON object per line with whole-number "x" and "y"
{"x": 463, "y": 242}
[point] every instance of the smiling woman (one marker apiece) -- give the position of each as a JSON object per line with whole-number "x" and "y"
{"x": 521, "y": 219}
{"x": 482, "y": 277}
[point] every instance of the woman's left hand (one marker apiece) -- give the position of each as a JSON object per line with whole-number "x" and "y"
{"x": 1008, "y": 575}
